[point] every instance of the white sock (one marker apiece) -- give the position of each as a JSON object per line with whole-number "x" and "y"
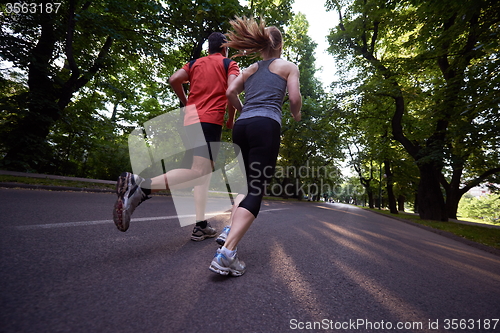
{"x": 228, "y": 253}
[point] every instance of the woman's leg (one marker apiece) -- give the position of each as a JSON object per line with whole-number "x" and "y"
{"x": 242, "y": 220}
{"x": 259, "y": 141}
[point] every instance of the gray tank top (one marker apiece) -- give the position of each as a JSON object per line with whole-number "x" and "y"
{"x": 264, "y": 93}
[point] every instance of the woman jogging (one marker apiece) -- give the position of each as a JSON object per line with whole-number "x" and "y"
{"x": 257, "y": 130}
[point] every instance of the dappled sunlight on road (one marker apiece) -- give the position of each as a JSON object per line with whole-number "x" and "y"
{"x": 382, "y": 249}
{"x": 294, "y": 278}
{"x": 361, "y": 245}
{"x": 331, "y": 264}
{"x": 340, "y": 235}
{"x": 341, "y": 211}
{"x": 461, "y": 252}
{"x": 472, "y": 270}
{"x": 391, "y": 301}
{"x": 286, "y": 270}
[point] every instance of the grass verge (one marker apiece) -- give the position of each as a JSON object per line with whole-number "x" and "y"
{"x": 54, "y": 182}
{"x": 479, "y": 234}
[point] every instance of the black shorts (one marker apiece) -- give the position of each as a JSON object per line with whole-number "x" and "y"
{"x": 201, "y": 141}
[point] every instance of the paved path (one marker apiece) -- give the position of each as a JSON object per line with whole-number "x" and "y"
{"x": 65, "y": 268}
{"x": 65, "y": 188}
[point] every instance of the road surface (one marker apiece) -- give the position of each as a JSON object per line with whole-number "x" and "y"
{"x": 64, "y": 267}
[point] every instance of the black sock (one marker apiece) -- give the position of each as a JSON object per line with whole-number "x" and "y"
{"x": 146, "y": 186}
{"x": 201, "y": 224}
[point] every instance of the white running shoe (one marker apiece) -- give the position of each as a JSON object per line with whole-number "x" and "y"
{"x": 130, "y": 195}
{"x": 227, "y": 265}
{"x": 221, "y": 240}
{"x": 200, "y": 233}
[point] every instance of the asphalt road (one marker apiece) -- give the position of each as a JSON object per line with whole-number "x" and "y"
{"x": 310, "y": 267}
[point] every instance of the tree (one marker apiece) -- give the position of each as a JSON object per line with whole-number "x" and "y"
{"x": 363, "y": 170}
{"x": 437, "y": 62}
{"x": 61, "y": 52}
{"x": 485, "y": 207}
{"x": 311, "y": 144}
{"x": 366, "y": 123}
{"x": 112, "y": 54}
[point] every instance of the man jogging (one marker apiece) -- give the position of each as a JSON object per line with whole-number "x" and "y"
{"x": 206, "y": 105}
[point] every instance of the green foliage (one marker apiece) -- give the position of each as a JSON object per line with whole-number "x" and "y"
{"x": 313, "y": 143}
{"x": 85, "y": 144}
{"x": 350, "y": 191}
{"x": 84, "y": 77}
{"x": 427, "y": 73}
{"x": 63, "y": 53}
{"x": 485, "y": 207}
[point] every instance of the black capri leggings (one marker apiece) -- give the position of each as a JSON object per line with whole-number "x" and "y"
{"x": 259, "y": 141}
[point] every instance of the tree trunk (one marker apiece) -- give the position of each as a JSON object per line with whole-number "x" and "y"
{"x": 365, "y": 182}
{"x": 431, "y": 204}
{"x": 390, "y": 188}
{"x": 27, "y": 149}
{"x": 401, "y": 203}
{"x": 415, "y": 204}
{"x": 452, "y": 200}
{"x": 453, "y": 191}
{"x": 370, "y": 198}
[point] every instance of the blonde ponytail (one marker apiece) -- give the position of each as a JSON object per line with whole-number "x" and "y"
{"x": 251, "y": 37}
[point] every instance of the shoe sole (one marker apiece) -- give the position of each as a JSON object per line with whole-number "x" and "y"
{"x": 121, "y": 188}
{"x": 220, "y": 241}
{"x": 200, "y": 238}
{"x": 122, "y": 184}
{"x": 216, "y": 268}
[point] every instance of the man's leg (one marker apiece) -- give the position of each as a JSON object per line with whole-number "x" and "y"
{"x": 212, "y": 134}
{"x": 132, "y": 189}
{"x": 200, "y": 198}
{"x": 183, "y": 178}
{"x": 202, "y": 228}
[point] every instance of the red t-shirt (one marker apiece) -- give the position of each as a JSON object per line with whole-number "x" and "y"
{"x": 208, "y": 85}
